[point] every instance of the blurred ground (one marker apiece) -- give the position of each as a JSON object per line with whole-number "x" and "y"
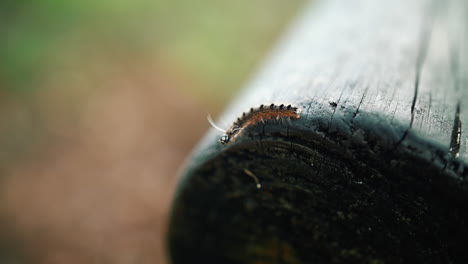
{"x": 100, "y": 103}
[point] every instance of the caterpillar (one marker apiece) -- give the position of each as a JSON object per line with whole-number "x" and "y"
{"x": 254, "y": 116}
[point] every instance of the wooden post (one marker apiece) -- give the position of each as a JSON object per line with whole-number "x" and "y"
{"x": 373, "y": 167}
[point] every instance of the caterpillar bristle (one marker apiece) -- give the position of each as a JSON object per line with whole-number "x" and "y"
{"x": 262, "y": 114}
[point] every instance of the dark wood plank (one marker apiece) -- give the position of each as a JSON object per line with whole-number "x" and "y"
{"x": 373, "y": 170}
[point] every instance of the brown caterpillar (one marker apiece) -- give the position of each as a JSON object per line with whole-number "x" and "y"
{"x": 254, "y": 116}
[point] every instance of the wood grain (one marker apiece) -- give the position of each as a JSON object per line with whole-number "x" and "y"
{"x": 374, "y": 170}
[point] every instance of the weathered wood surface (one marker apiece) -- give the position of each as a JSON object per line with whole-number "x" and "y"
{"x": 374, "y": 170}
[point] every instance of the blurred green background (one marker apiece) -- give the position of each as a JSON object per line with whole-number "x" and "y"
{"x": 100, "y": 102}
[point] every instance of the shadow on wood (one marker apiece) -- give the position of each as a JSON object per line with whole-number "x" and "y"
{"x": 373, "y": 169}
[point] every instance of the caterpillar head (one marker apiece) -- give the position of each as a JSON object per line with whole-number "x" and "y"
{"x": 224, "y": 139}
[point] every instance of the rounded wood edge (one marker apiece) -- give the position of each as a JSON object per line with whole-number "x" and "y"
{"x": 320, "y": 200}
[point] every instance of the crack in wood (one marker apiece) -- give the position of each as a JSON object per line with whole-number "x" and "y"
{"x": 420, "y": 59}
{"x": 360, "y": 103}
{"x": 356, "y": 112}
{"x": 334, "y": 105}
{"x": 455, "y": 139}
{"x": 428, "y": 113}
